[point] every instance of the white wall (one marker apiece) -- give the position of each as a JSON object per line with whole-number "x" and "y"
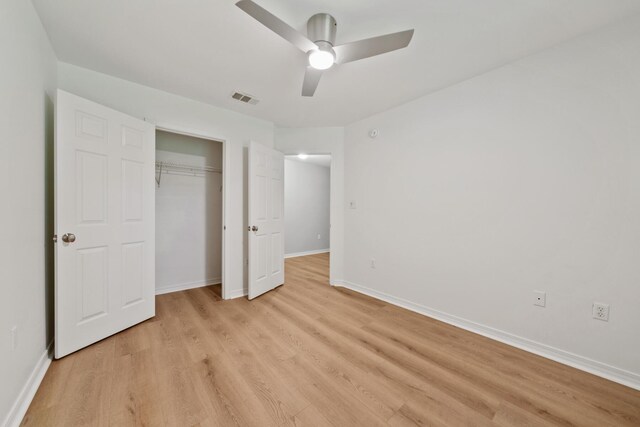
{"x": 181, "y": 114}
{"x": 524, "y": 178}
{"x": 27, "y": 85}
{"x": 323, "y": 141}
{"x": 306, "y": 207}
{"x": 188, "y": 214}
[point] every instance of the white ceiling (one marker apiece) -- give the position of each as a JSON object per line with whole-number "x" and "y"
{"x": 323, "y": 160}
{"x": 206, "y": 49}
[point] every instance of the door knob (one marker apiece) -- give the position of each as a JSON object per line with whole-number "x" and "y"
{"x": 68, "y": 237}
{"x": 254, "y": 229}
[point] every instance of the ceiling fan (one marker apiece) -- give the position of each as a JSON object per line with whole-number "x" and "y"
{"x": 319, "y": 44}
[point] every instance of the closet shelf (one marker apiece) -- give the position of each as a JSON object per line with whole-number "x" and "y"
{"x": 182, "y": 169}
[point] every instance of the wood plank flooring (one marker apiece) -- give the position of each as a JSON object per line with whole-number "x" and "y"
{"x": 308, "y": 354}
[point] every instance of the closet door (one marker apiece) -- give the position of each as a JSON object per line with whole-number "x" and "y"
{"x": 266, "y": 219}
{"x": 105, "y": 222}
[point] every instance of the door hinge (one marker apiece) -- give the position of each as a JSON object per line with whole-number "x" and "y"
{"x": 55, "y": 238}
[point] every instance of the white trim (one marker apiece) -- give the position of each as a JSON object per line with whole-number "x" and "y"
{"x": 189, "y": 285}
{"x": 314, "y": 252}
{"x": 237, "y": 294}
{"x": 630, "y": 379}
{"x": 20, "y": 406}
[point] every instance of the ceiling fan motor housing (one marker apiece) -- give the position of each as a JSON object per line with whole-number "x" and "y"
{"x": 322, "y": 27}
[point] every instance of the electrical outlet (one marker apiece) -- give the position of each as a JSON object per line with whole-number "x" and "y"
{"x": 540, "y": 298}
{"x": 373, "y": 263}
{"x": 601, "y": 311}
{"x": 319, "y": 237}
{"x": 352, "y": 204}
{"x": 14, "y": 338}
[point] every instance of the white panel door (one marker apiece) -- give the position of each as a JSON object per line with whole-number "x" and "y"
{"x": 105, "y": 222}
{"x": 266, "y": 211}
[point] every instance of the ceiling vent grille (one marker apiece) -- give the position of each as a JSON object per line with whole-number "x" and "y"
{"x": 243, "y": 97}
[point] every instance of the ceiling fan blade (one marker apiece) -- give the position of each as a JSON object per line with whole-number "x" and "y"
{"x": 311, "y": 80}
{"x": 276, "y": 25}
{"x": 372, "y": 47}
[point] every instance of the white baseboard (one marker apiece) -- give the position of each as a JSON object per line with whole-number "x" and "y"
{"x": 630, "y": 379}
{"x": 189, "y": 285}
{"x": 22, "y": 402}
{"x": 315, "y": 252}
{"x": 236, "y": 294}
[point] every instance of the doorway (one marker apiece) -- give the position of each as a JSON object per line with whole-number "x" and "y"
{"x": 307, "y": 205}
{"x": 189, "y": 213}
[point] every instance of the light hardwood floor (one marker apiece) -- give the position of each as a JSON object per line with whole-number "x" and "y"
{"x": 310, "y": 354}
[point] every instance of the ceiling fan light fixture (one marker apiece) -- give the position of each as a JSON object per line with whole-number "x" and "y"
{"x": 319, "y": 42}
{"x": 321, "y": 59}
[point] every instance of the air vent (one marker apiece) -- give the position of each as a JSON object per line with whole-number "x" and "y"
{"x": 243, "y": 97}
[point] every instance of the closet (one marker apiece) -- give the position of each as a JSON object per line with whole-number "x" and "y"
{"x": 188, "y": 212}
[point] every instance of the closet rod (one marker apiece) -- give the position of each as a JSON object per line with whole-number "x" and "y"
{"x": 163, "y": 166}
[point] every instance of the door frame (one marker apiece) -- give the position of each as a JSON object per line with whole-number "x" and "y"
{"x": 331, "y": 201}
{"x": 225, "y": 194}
